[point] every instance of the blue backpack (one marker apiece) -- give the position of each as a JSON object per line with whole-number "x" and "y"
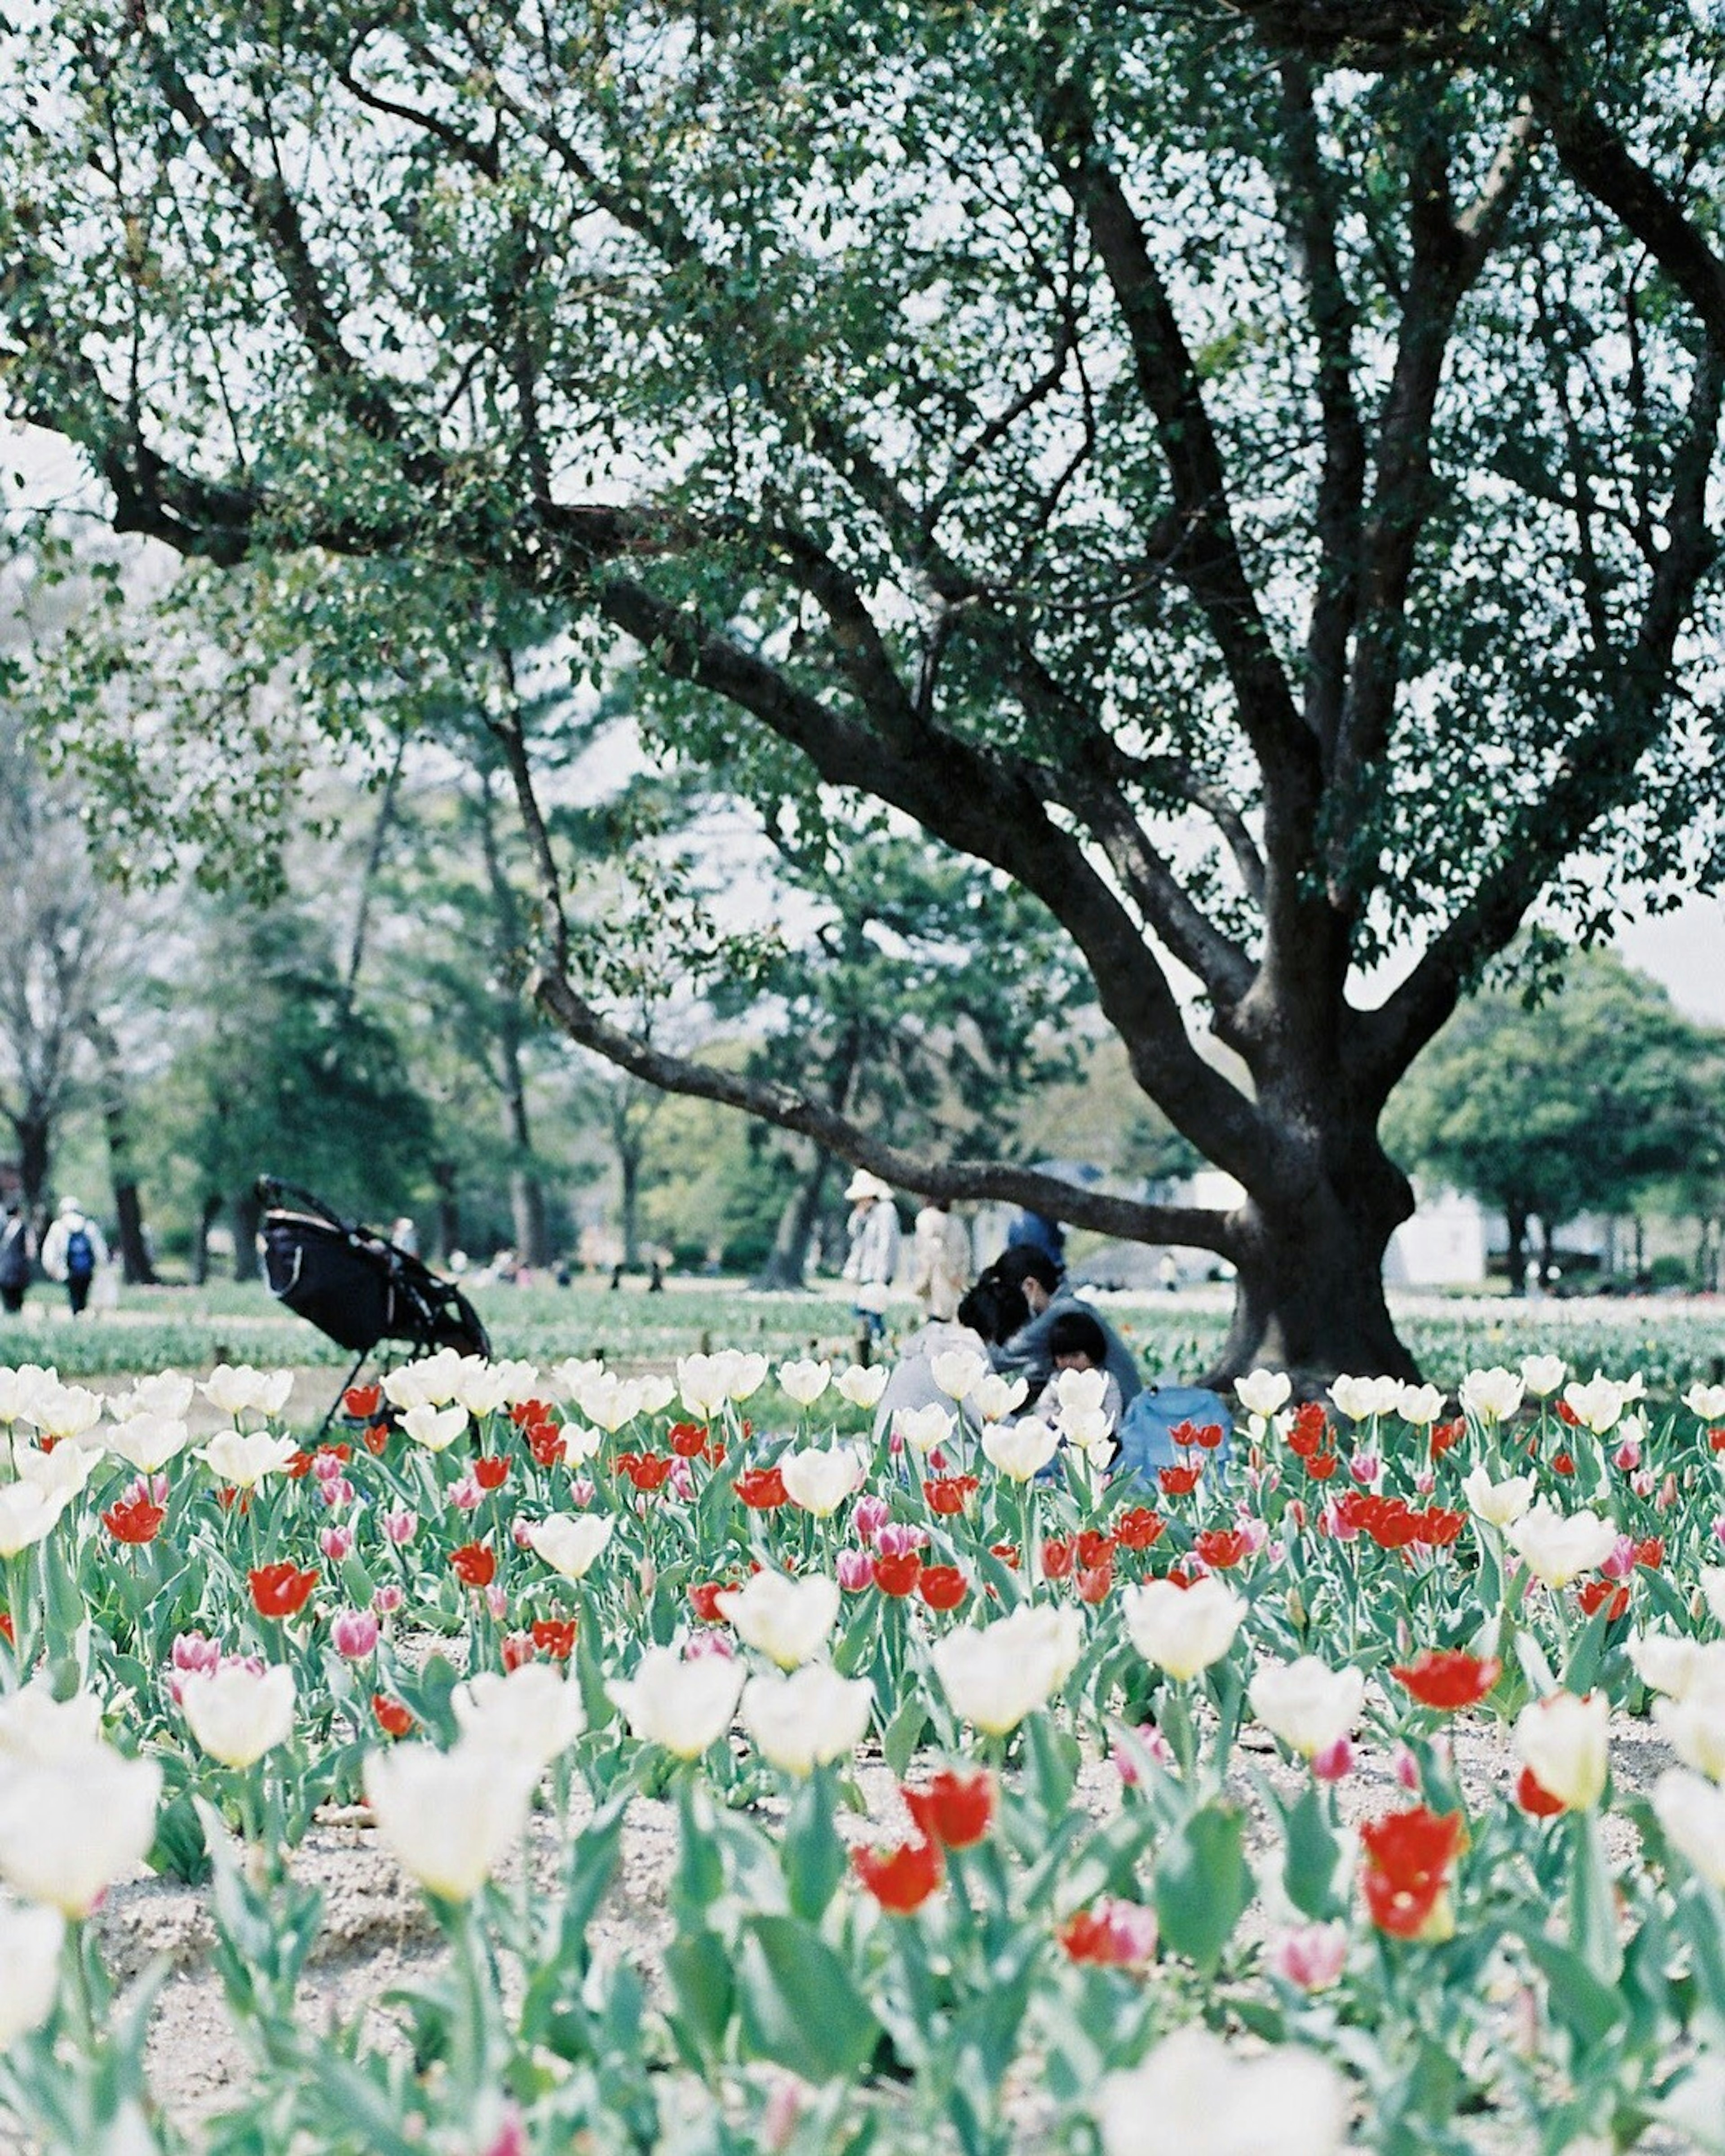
{"x": 80, "y": 1254}
{"x": 1146, "y": 1429}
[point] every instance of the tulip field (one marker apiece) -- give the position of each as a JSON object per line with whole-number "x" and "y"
{"x": 1358, "y": 1782}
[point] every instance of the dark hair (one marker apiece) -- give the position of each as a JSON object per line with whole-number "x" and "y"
{"x": 1076, "y": 1333}
{"x": 995, "y": 1308}
{"x": 1023, "y": 1261}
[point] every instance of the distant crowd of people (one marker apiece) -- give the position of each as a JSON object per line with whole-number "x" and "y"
{"x": 72, "y": 1253}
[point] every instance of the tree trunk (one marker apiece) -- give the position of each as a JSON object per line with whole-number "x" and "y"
{"x": 135, "y": 1265}
{"x": 1547, "y": 1253}
{"x": 788, "y": 1259}
{"x": 35, "y": 1145}
{"x": 1309, "y": 1293}
{"x": 448, "y": 1211}
{"x": 1516, "y": 1220}
{"x": 246, "y": 1215}
{"x": 629, "y": 1158}
{"x": 527, "y": 1208}
{"x": 527, "y": 1190}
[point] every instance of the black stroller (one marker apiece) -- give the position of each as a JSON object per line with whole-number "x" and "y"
{"x": 355, "y": 1286}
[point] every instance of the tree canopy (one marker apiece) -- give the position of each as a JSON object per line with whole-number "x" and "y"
{"x": 1245, "y": 473}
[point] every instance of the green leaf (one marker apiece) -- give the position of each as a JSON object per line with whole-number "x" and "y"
{"x": 1314, "y": 1856}
{"x": 697, "y": 1966}
{"x": 1588, "y": 2008}
{"x": 904, "y": 1732}
{"x": 800, "y": 2006}
{"x": 1203, "y": 1884}
{"x": 811, "y": 1853}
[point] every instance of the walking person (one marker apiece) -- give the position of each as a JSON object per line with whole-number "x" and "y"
{"x": 74, "y": 1251}
{"x": 940, "y": 1260}
{"x": 871, "y": 1263}
{"x": 15, "y": 1252}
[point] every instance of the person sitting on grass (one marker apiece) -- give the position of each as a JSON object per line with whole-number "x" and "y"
{"x": 989, "y": 1313}
{"x": 1077, "y": 1341}
{"x": 1045, "y": 1290}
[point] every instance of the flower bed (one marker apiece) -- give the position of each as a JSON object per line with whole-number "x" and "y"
{"x": 501, "y": 1607}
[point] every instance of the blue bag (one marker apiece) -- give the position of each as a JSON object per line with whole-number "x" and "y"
{"x": 1146, "y": 1430}
{"x": 80, "y": 1254}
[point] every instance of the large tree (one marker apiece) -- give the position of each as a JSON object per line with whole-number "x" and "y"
{"x": 1242, "y": 471}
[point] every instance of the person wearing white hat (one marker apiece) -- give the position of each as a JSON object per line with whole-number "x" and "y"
{"x": 872, "y": 1261}
{"x": 74, "y": 1251}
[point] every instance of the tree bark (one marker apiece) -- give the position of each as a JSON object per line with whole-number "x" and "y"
{"x": 135, "y": 1264}
{"x": 35, "y": 1145}
{"x": 1516, "y": 1219}
{"x": 448, "y": 1211}
{"x": 247, "y": 1213}
{"x": 207, "y": 1217}
{"x": 526, "y": 1211}
{"x": 629, "y": 1161}
{"x": 788, "y": 1259}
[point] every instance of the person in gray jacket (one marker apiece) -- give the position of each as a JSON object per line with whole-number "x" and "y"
{"x": 1027, "y": 1352}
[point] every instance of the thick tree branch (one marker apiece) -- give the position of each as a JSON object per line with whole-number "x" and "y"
{"x": 1594, "y": 777}
{"x": 995, "y": 811}
{"x": 1192, "y": 1226}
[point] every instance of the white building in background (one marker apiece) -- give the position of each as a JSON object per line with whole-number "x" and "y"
{"x": 1445, "y": 1244}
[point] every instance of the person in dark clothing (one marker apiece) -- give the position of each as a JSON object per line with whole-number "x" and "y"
{"x": 1044, "y": 1288}
{"x": 15, "y": 1256}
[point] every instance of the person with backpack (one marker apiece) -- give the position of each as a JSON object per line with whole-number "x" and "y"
{"x": 1045, "y": 1290}
{"x": 14, "y": 1259}
{"x": 73, "y": 1251}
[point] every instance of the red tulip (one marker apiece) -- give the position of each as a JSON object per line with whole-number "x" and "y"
{"x": 1447, "y": 1680}
{"x": 475, "y": 1563}
{"x": 393, "y": 1719}
{"x": 1137, "y": 1529}
{"x": 137, "y": 1522}
{"x": 362, "y": 1402}
{"x": 555, "y": 1636}
{"x": 897, "y": 1575}
{"x": 954, "y": 1811}
{"x": 761, "y": 1489}
{"x": 1532, "y": 1796}
{"x": 490, "y": 1471}
{"x": 281, "y": 1590}
{"x": 901, "y": 1879}
{"x": 942, "y": 1586}
{"x": 1409, "y": 1857}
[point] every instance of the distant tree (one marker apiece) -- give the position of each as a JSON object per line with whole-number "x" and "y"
{"x": 285, "y": 1075}
{"x": 1579, "y": 1104}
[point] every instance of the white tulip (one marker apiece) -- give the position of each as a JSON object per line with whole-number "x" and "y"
{"x": 818, "y": 1481}
{"x": 428, "y": 1382}
{"x": 1184, "y": 1629}
{"x": 21, "y": 1389}
{"x": 1080, "y": 1391}
{"x": 685, "y": 1706}
{"x": 1419, "y": 1405}
{"x": 994, "y": 1675}
{"x": 435, "y": 1428}
{"x": 581, "y": 1442}
{"x": 1361, "y": 1397}
{"x": 957, "y": 1371}
{"x": 1597, "y": 1404}
{"x": 232, "y": 1388}
{"x": 1491, "y": 1395}
{"x": 1563, "y": 1740}
{"x": 924, "y": 1429}
{"x": 1263, "y": 1392}
{"x": 237, "y": 1714}
{"x": 804, "y": 1382}
{"x": 71, "y": 1826}
{"x": 790, "y": 1620}
{"x": 1692, "y": 1813}
{"x": 1543, "y": 1374}
{"x": 148, "y": 1441}
{"x": 27, "y": 1515}
{"x": 244, "y": 1458}
{"x": 995, "y": 1396}
{"x": 1194, "y": 2096}
{"x": 61, "y": 1473}
{"x": 1712, "y": 1587}
{"x": 66, "y": 1411}
{"x": 38, "y": 1728}
{"x": 1667, "y": 1662}
{"x": 1306, "y": 1703}
{"x": 1499, "y": 1504}
{"x": 570, "y": 1377}
{"x": 656, "y": 1391}
{"x": 610, "y": 1401}
{"x": 1706, "y": 1401}
{"x": 1559, "y": 1547}
{"x": 807, "y": 1720}
{"x": 570, "y": 1541}
{"x": 1694, "y": 1726}
{"x": 862, "y": 1384}
{"x": 449, "y": 1817}
{"x": 534, "y": 1711}
{"x": 482, "y": 1386}
{"x": 520, "y": 1380}
{"x": 704, "y": 1382}
{"x": 1089, "y": 1428}
{"x": 165, "y": 1393}
{"x": 744, "y": 1374}
{"x": 30, "y": 1942}
{"x": 1019, "y": 1449}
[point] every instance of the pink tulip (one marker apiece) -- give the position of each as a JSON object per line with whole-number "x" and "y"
{"x": 582, "y": 1490}
{"x": 335, "y": 1543}
{"x": 1424, "y": 1482}
{"x": 708, "y": 1642}
{"x": 1628, "y": 1454}
{"x": 855, "y": 1570}
{"x": 466, "y": 1495}
{"x": 895, "y": 1540}
{"x": 512, "y": 2136}
{"x": 895, "y": 1444}
{"x": 387, "y": 1599}
{"x": 146, "y": 1490}
{"x": 399, "y": 1526}
{"x": 521, "y": 1533}
{"x": 326, "y": 1466}
{"x": 192, "y": 1650}
{"x": 870, "y": 1514}
{"x": 1335, "y": 1763}
{"x": 1621, "y": 1562}
{"x": 1338, "y": 1527}
{"x": 1407, "y": 1770}
{"x": 1312, "y": 1956}
{"x": 354, "y": 1634}
{"x": 1151, "y": 1741}
{"x": 1642, "y": 1483}
{"x": 497, "y": 1601}
{"x": 336, "y": 1493}
{"x": 680, "y": 1482}
{"x": 779, "y": 2121}
{"x": 1365, "y": 1468}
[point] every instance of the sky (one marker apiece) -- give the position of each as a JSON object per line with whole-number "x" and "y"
{"x": 1684, "y": 950}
